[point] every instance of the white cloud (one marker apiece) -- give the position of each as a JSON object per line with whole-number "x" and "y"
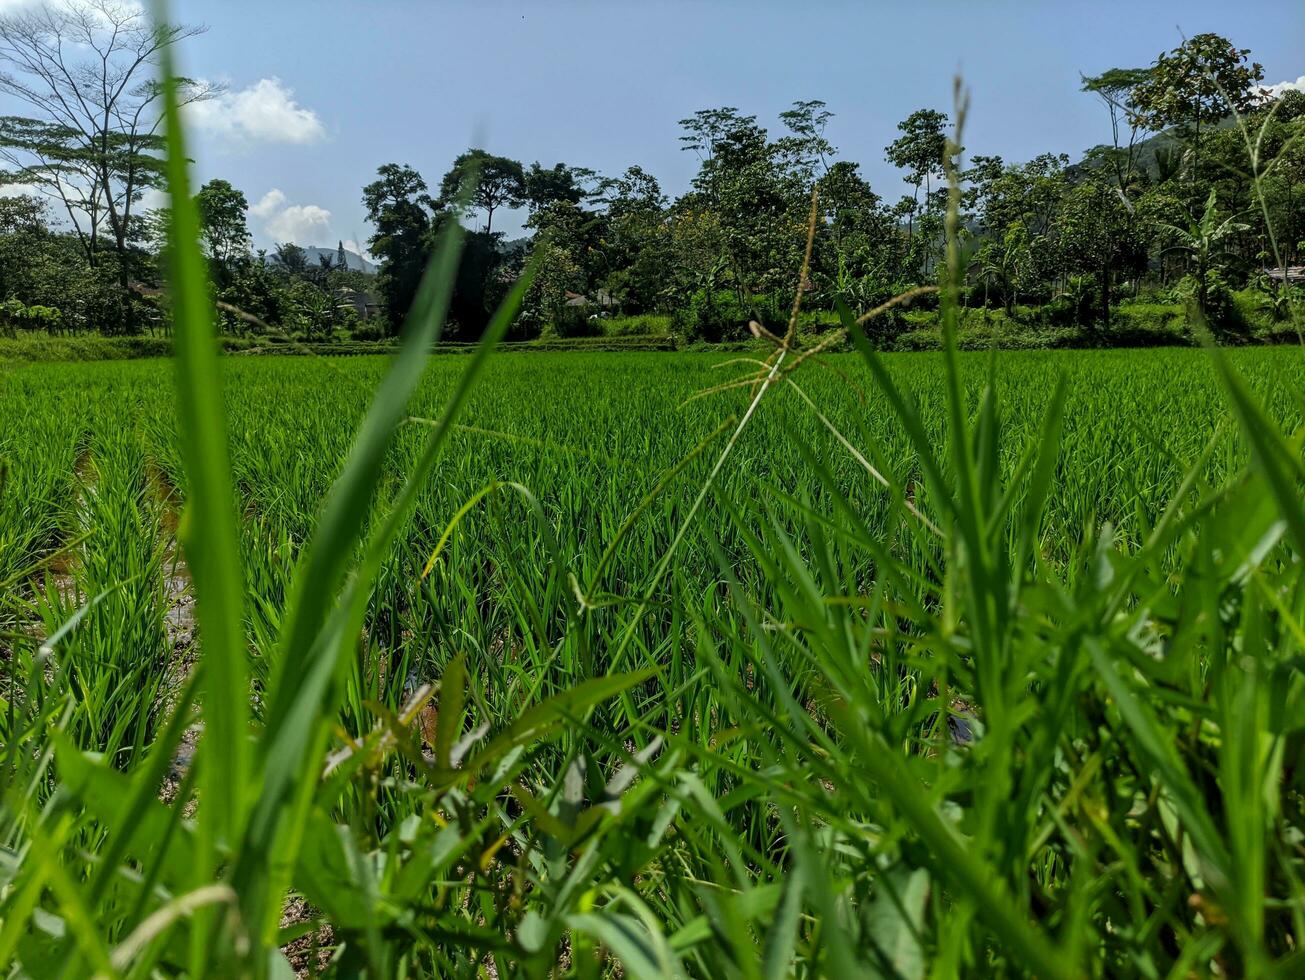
{"x": 1282, "y": 88}
{"x": 265, "y": 112}
{"x": 268, "y": 204}
{"x": 118, "y": 10}
{"x": 19, "y": 190}
{"x": 303, "y": 224}
{"x": 153, "y": 198}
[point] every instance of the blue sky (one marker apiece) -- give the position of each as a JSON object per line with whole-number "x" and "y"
{"x": 321, "y": 93}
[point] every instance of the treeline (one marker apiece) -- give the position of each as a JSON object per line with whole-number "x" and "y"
{"x": 1175, "y": 206}
{"x": 1172, "y": 208}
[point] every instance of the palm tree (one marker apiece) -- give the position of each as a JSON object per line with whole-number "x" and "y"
{"x": 1205, "y": 242}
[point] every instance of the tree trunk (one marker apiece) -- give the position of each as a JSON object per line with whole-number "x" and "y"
{"x": 1105, "y": 296}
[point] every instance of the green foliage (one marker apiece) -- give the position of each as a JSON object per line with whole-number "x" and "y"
{"x": 921, "y": 147}
{"x": 496, "y": 182}
{"x": 223, "y": 226}
{"x": 1209, "y": 301}
{"x": 84, "y": 347}
{"x": 711, "y": 315}
{"x": 302, "y": 410}
{"x": 637, "y": 325}
{"x": 572, "y": 321}
{"x": 1206, "y": 241}
{"x": 15, "y": 316}
{"x": 400, "y": 210}
{"x": 1201, "y": 81}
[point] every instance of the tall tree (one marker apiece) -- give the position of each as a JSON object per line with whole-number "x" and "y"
{"x": 400, "y": 209}
{"x": 920, "y": 151}
{"x": 806, "y": 146}
{"x": 222, "y": 220}
{"x": 847, "y": 200}
{"x": 543, "y": 186}
{"x": 1193, "y": 87}
{"x": 1115, "y": 89}
{"x": 1100, "y": 236}
{"x": 921, "y": 148}
{"x": 291, "y": 257}
{"x": 759, "y": 196}
{"x": 86, "y": 71}
{"x": 499, "y": 182}
{"x": 1206, "y": 243}
{"x": 707, "y": 127}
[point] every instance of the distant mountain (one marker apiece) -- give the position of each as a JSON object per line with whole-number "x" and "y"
{"x": 356, "y": 261}
{"x": 1146, "y": 153}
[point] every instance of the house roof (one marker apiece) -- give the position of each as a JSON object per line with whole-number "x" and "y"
{"x": 601, "y": 298}
{"x": 1294, "y": 274}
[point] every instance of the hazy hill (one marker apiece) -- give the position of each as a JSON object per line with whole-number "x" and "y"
{"x": 356, "y": 261}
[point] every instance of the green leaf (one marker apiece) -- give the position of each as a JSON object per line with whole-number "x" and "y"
{"x": 895, "y": 922}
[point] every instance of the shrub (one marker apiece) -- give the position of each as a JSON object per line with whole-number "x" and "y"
{"x": 638, "y": 325}
{"x": 1221, "y": 312}
{"x": 370, "y": 330}
{"x": 711, "y": 317}
{"x": 1152, "y": 316}
{"x": 573, "y": 321}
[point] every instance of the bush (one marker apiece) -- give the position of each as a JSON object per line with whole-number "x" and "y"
{"x": 89, "y": 347}
{"x": 573, "y": 321}
{"x": 711, "y": 317}
{"x": 1222, "y": 313}
{"x": 370, "y": 330}
{"x": 638, "y": 325}
{"x": 1141, "y": 315}
{"x": 16, "y": 315}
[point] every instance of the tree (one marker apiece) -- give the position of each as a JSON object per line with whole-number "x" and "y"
{"x": 1005, "y": 263}
{"x": 760, "y": 198}
{"x": 1030, "y": 193}
{"x": 1205, "y": 242}
{"x": 23, "y": 213}
{"x": 85, "y": 68}
{"x": 499, "y": 182}
{"x": 920, "y": 149}
{"x": 707, "y": 127}
{"x": 556, "y": 274}
{"x": 543, "y": 186}
{"x": 400, "y": 210}
{"x": 1195, "y": 85}
{"x": 807, "y": 149}
{"x": 341, "y": 257}
{"x": 635, "y": 191}
{"x": 1116, "y": 89}
{"x": 311, "y": 308}
{"x": 222, "y": 221}
{"x": 1099, "y": 235}
{"x": 848, "y": 203}
{"x": 633, "y": 237}
{"x": 291, "y": 258}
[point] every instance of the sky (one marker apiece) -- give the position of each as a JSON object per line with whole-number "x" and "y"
{"x": 319, "y": 94}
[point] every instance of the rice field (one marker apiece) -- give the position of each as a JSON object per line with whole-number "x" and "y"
{"x": 638, "y": 689}
{"x": 590, "y": 435}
